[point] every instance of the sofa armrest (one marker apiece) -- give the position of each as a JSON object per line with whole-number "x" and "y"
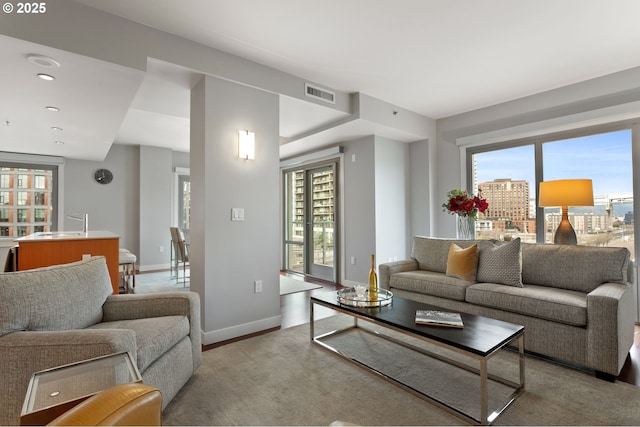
{"x": 610, "y": 326}
{"x": 23, "y": 353}
{"x": 139, "y": 306}
{"x": 387, "y": 269}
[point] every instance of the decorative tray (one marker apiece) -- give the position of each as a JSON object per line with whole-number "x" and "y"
{"x": 349, "y": 296}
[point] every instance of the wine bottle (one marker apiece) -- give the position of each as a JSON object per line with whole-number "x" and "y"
{"x": 373, "y": 280}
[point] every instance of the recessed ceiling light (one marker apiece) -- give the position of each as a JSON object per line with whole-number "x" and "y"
{"x": 52, "y": 108}
{"x": 56, "y": 128}
{"x": 58, "y": 142}
{"x": 46, "y": 77}
{"x": 43, "y": 61}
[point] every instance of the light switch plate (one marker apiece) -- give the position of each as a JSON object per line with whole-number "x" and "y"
{"x": 237, "y": 214}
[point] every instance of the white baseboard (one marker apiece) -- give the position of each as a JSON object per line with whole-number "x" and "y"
{"x": 154, "y": 267}
{"x": 240, "y": 330}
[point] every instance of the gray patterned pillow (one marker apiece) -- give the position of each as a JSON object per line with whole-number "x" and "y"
{"x": 500, "y": 263}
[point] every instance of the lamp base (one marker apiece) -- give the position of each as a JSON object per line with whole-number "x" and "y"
{"x": 565, "y": 234}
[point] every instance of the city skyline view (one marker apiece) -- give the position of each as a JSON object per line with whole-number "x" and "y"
{"x": 603, "y": 158}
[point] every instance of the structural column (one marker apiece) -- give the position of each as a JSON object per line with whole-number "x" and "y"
{"x": 230, "y": 253}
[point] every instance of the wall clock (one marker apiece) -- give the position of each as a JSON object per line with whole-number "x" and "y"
{"x": 103, "y": 176}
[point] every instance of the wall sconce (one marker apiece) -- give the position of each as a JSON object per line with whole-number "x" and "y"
{"x": 246, "y": 145}
{"x": 565, "y": 193}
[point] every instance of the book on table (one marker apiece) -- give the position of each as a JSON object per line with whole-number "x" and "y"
{"x": 439, "y": 318}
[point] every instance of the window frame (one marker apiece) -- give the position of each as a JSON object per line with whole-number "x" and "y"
{"x": 539, "y": 140}
{"x": 26, "y": 163}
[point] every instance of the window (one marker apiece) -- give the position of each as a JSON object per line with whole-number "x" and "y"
{"x": 503, "y": 177}
{"x": 508, "y": 176}
{"x": 28, "y": 198}
{"x": 23, "y": 198}
{"x": 39, "y": 215}
{"x": 606, "y": 160}
{"x": 39, "y": 198}
{"x": 23, "y": 181}
{"x": 40, "y": 182}
{"x": 23, "y": 215}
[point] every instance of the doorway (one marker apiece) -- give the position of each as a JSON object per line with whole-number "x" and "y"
{"x": 184, "y": 204}
{"x": 311, "y": 229}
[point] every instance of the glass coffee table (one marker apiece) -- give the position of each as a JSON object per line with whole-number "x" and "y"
{"x": 54, "y": 391}
{"x": 479, "y": 340}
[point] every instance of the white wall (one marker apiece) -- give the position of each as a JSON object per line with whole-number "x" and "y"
{"x": 392, "y": 206}
{"x": 134, "y": 205}
{"x": 420, "y": 186}
{"x": 376, "y": 204}
{"x": 228, "y": 256}
{"x": 111, "y": 207}
{"x": 156, "y": 182}
{"x": 359, "y": 225}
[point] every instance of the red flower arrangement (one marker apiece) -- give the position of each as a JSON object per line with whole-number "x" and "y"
{"x": 463, "y": 204}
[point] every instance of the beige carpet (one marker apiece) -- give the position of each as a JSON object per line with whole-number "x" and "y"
{"x": 289, "y": 285}
{"x": 280, "y": 378}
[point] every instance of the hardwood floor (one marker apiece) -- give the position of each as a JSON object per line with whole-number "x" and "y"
{"x": 294, "y": 308}
{"x": 631, "y": 370}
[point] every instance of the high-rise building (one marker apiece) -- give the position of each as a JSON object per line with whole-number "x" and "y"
{"x": 508, "y": 203}
{"x": 25, "y": 201}
{"x": 320, "y": 214}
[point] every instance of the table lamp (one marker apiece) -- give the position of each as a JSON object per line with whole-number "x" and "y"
{"x": 564, "y": 193}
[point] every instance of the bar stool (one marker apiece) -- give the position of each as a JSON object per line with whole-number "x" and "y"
{"x": 127, "y": 261}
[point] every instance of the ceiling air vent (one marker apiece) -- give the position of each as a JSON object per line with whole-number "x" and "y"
{"x": 320, "y": 94}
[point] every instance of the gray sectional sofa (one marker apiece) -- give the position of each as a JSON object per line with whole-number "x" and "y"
{"x": 66, "y": 313}
{"x": 576, "y": 302}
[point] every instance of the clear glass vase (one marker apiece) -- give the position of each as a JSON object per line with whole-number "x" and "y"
{"x": 466, "y": 227}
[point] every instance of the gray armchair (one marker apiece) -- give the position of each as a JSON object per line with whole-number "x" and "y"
{"x": 63, "y": 314}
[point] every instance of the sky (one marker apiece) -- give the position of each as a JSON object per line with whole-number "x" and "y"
{"x": 603, "y": 158}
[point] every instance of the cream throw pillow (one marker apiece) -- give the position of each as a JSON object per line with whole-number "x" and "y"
{"x": 462, "y": 262}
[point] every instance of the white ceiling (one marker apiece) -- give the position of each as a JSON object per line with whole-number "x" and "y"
{"x": 435, "y": 57}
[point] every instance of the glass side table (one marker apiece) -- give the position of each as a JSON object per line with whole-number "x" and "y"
{"x": 54, "y": 391}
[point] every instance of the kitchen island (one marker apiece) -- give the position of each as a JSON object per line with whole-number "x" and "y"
{"x": 62, "y": 247}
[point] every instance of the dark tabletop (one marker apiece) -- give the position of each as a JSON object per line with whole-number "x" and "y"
{"x": 480, "y": 335}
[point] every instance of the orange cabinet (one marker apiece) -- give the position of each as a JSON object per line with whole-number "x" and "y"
{"x": 45, "y": 249}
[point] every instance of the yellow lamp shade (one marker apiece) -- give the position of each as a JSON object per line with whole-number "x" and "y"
{"x": 566, "y": 192}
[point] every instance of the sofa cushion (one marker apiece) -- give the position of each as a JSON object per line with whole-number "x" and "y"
{"x": 558, "y": 305}
{"x": 430, "y": 283}
{"x": 500, "y": 262}
{"x": 578, "y": 268}
{"x": 154, "y": 335}
{"x": 462, "y": 262}
{"x": 61, "y": 297}
{"x": 432, "y": 253}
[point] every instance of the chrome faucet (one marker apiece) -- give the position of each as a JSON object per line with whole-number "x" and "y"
{"x": 85, "y": 221}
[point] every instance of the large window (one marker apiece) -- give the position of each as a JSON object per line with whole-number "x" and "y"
{"x": 28, "y": 198}
{"x": 506, "y": 179}
{"x": 508, "y": 176}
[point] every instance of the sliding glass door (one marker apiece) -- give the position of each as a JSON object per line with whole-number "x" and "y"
{"x": 310, "y": 221}
{"x": 294, "y": 221}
